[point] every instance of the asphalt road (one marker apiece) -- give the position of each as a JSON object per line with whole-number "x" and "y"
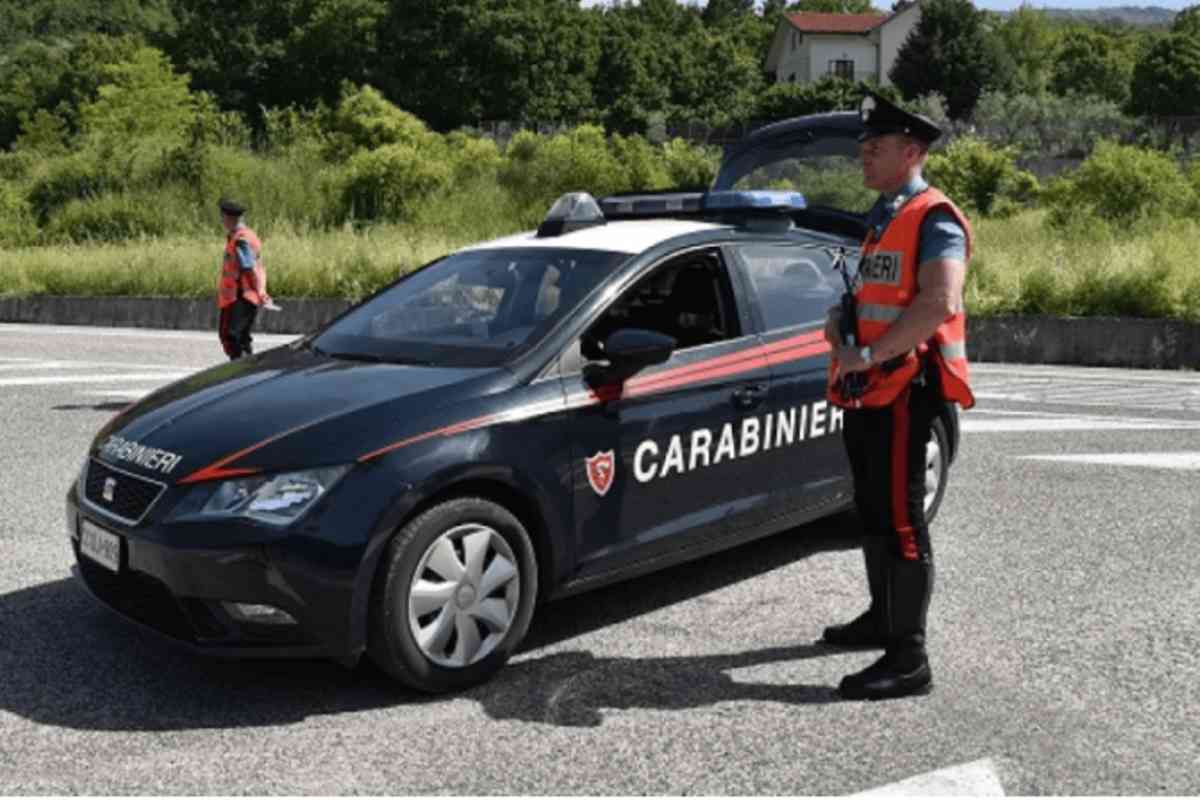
{"x": 1064, "y": 632}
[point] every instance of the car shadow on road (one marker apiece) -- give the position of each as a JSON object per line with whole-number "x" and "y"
{"x": 64, "y": 661}
{"x": 106, "y": 406}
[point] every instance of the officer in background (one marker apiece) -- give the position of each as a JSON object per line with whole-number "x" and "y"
{"x": 242, "y": 286}
{"x": 908, "y": 358}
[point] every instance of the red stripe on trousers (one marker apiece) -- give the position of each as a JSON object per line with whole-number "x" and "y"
{"x": 901, "y": 424}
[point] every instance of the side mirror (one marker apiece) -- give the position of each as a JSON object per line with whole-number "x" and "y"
{"x": 635, "y": 348}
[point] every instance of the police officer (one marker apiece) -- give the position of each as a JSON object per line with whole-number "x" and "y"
{"x": 242, "y": 286}
{"x": 907, "y": 358}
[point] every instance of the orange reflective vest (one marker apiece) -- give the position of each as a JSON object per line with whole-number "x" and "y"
{"x": 234, "y": 279}
{"x": 887, "y": 284}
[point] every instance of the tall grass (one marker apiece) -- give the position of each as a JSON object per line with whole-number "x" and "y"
{"x": 1023, "y": 267}
{"x": 1020, "y": 265}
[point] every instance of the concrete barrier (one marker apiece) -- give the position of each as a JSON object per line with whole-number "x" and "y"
{"x": 1086, "y": 341}
{"x": 299, "y": 315}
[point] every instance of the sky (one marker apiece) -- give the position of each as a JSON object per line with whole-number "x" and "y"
{"x": 1008, "y": 5}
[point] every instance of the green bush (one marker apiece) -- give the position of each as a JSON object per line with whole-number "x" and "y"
{"x": 981, "y": 177}
{"x": 79, "y": 176}
{"x": 1134, "y": 293}
{"x": 690, "y": 166}
{"x": 538, "y": 169}
{"x": 472, "y": 157}
{"x": 642, "y": 162}
{"x": 18, "y": 228}
{"x": 1121, "y": 185}
{"x": 388, "y": 182}
{"x": 365, "y": 120}
{"x": 111, "y": 218}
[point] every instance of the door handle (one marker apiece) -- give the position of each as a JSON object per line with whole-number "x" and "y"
{"x": 749, "y": 396}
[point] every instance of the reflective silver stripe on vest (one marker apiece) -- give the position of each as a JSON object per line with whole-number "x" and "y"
{"x": 873, "y": 312}
{"x": 953, "y": 350}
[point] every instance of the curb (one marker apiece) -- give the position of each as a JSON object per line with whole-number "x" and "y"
{"x": 1082, "y": 341}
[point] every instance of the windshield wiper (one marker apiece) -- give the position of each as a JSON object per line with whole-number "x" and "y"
{"x": 370, "y": 358}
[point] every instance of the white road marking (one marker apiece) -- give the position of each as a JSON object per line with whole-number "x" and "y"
{"x": 139, "y": 333}
{"x": 1049, "y": 421}
{"x": 36, "y": 365}
{"x": 974, "y": 779}
{"x": 1034, "y": 372}
{"x": 129, "y": 393}
{"x": 114, "y": 378}
{"x": 1171, "y": 460}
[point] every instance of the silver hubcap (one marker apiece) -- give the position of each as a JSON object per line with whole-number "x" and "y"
{"x": 933, "y": 470}
{"x": 464, "y": 595}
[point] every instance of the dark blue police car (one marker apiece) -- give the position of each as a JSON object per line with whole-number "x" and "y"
{"x": 639, "y": 382}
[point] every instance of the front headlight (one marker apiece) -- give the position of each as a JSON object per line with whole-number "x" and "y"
{"x": 274, "y": 499}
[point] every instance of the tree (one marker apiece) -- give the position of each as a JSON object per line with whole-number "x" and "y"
{"x": 1166, "y": 81}
{"x": 717, "y": 12}
{"x": 1187, "y": 21}
{"x": 139, "y": 100}
{"x": 833, "y": 7}
{"x": 1091, "y": 63}
{"x": 1029, "y": 37}
{"x": 951, "y": 51}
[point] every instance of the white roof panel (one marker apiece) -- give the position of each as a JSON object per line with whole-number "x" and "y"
{"x": 632, "y": 236}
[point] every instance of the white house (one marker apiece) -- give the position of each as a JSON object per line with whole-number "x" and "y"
{"x": 807, "y": 47}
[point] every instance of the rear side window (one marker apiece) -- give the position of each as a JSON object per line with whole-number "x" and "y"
{"x": 792, "y": 285}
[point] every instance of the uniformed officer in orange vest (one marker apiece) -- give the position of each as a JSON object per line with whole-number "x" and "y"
{"x": 242, "y": 285}
{"x": 907, "y": 359}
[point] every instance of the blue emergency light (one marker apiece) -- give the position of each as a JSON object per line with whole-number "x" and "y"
{"x": 750, "y": 208}
{"x": 732, "y": 200}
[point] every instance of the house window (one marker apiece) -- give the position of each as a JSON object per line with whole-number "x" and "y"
{"x": 842, "y": 68}
{"x": 795, "y": 40}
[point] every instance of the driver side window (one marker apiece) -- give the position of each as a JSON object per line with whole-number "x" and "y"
{"x": 688, "y": 298}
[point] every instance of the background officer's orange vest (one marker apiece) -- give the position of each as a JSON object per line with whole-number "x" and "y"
{"x": 234, "y": 277}
{"x": 887, "y": 276}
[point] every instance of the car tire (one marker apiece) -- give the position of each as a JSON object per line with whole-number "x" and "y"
{"x": 454, "y": 597}
{"x": 937, "y": 468}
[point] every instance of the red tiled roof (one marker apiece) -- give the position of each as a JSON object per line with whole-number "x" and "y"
{"x": 836, "y": 23}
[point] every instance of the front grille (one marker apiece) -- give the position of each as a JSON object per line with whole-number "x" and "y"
{"x": 137, "y": 596}
{"x": 131, "y": 496}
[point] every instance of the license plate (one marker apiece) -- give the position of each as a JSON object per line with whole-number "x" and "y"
{"x": 100, "y": 546}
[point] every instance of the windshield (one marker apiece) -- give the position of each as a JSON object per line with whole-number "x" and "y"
{"x": 820, "y": 163}
{"x": 472, "y": 309}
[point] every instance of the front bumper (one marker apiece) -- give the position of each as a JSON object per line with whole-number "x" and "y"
{"x": 181, "y": 593}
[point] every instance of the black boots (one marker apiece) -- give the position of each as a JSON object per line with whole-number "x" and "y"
{"x": 869, "y": 629}
{"x": 903, "y": 669}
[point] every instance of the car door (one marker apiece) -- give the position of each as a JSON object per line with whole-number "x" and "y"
{"x": 669, "y": 456}
{"x": 791, "y": 285}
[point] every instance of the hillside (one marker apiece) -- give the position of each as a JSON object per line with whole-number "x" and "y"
{"x": 1147, "y": 16}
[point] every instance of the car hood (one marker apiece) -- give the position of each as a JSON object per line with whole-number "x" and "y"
{"x": 284, "y": 409}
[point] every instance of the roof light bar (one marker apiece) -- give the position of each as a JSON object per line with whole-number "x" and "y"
{"x": 768, "y": 201}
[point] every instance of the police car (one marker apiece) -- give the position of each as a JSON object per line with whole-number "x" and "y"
{"x": 639, "y": 382}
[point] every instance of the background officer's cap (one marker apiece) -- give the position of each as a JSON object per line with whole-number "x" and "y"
{"x": 880, "y": 117}
{"x": 231, "y": 207}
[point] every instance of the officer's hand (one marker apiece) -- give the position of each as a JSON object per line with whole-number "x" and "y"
{"x": 849, "y": 359}
{"x": 833, "y": 319}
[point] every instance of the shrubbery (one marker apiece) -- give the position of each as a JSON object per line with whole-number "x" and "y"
{"x": 1119, "y": 185}
{"x": 982, "y": 178}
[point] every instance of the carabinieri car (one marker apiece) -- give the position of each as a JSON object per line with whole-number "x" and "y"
{"x": 639, "y": 382}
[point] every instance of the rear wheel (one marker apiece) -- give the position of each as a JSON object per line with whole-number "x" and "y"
{"x": 455, "y": 595}
{"x": 937, "y": 467}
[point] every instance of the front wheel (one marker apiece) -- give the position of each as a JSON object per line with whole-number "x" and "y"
{"x": 455, "y": 596}
{"x": 937, "y": 467}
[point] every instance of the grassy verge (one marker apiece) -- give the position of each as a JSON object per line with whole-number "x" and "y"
{"x": 1020, "y": 266}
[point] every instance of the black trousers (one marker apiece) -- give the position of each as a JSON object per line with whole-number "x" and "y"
{"x": 234, "y": 328}
{"x": 886, "y": 448}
